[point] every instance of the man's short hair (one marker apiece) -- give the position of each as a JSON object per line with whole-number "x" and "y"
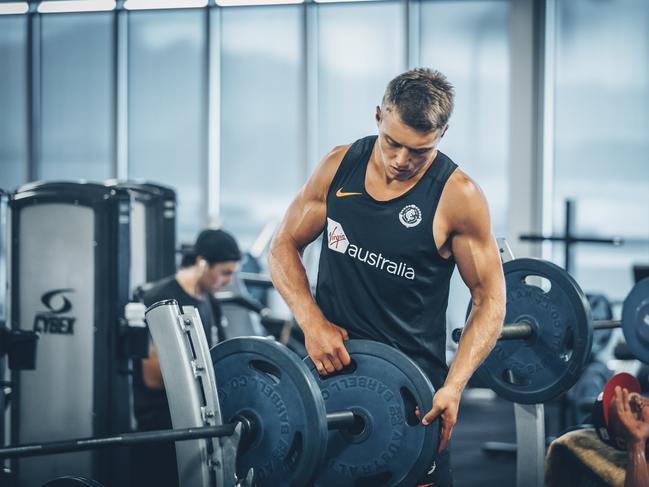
{"x": 216, "y": 246}
{"x": 422, "y": 97}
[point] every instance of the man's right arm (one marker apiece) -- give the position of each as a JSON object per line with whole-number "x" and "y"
{"x": 635, "y": 430}
{"x": 637, "y": 473}
{"x": 303, "y": 222}
{"x": 151, "y": 372}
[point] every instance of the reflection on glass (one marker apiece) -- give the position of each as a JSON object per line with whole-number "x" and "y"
{"x": 13, "y": 101}
{"x": 262, "y": 132}
{"x": 469, "y": 43}
{"x": 167, "y": 108}
{"x": 602, "y": 135}
{"x": 361, "y": 47}
{"x": 77, "y": 97}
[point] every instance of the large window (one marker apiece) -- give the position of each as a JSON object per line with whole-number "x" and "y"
{"x": 601, "y": 132}
{"x": 13, "y": 101}
{"x": 77, "y": 107}
{"x": 361, "y": 46}
{"x": 468, "y": 41}
{"x": 167, "y": 108}
{"x": 262, "y": 115}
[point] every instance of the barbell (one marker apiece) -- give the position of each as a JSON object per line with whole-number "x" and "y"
{"x": 356, "y": 426}
{"x": 386, "y": 445}
{"x": 547, "y": 339}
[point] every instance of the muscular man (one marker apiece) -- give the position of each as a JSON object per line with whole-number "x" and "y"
{"x": 396, "y": 216}
{"x": 216, "y": 257}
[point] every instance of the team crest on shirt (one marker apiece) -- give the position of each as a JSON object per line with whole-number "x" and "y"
{"x": 410, "y": 216}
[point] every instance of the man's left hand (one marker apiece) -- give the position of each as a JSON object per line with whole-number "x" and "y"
{"x": 446, "y": 402}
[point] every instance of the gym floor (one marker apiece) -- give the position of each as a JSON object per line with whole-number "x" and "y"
{"x": 483, "y": 418}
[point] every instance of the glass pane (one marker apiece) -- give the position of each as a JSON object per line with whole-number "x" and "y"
{"x": 361, "y": 47}
{"x": 262, "y": 121}
{"x": 602, "y": 136}
{"x": 13, "y": 101}
{"x": 469, "y": 42}
{"x": 77, "y": 96}
{"x": 168, "y": 108}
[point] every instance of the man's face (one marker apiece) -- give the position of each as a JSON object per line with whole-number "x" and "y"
{"x": 217, "y": 275}
{"x": 404, "y": 151}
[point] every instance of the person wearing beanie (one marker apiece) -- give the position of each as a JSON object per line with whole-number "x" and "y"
{"x": 620, "y": 416}
{"x": 214, "y": 258}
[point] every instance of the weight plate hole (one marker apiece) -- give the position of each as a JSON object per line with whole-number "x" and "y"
{"x": 272, "y": 372}
{"x": 373, "y": 480}
{"x": 511, "y": 377}
{"x": 409, "y": 406}
{"x": 537, "y": 281}
{"x": 568, "y": 345}
{"x": 358, "y": 426}
{"x": 360, "y": 430}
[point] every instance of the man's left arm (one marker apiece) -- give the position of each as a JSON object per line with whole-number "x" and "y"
{"x": 476, "y": 254}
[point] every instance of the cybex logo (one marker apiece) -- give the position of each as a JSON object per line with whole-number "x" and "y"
{"x": 52, "y": 321}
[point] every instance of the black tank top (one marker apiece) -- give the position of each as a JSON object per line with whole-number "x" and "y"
{"x": 380, "y": 274}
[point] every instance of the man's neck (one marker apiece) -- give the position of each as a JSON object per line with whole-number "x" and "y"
{"x": 188, "y": 280}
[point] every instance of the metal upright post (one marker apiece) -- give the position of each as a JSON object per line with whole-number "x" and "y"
{"x": 530, "y": 442}
{"x": 569, "y": 252}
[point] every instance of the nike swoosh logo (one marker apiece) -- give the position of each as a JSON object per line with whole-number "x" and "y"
{"x": 340, "y": 193}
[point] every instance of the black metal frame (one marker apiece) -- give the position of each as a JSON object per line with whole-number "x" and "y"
{"x": 3, "y": 315}
{"x": 3, "y": 242}
{"x": 160, "y": 204}
{"x": 570, "y": 239}
{"x": 112, "y": 260}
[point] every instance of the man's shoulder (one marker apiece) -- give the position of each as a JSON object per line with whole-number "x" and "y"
{"x": 461, "y": 186}
{"x": 464, "y": 201}
{"x": 330, "y": 164}
{"x": 336, "y": 155}
{"x": 165, "y": 288}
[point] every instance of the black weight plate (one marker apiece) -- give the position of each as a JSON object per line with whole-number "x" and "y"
{"x": 267, "y": 383}
{"x": 635, "y": 320}
{"x": 537, "y": 369}
{"x": 383, "y": 386}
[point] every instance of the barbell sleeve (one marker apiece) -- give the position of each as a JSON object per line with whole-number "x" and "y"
{"x": 340, "y": 420}
{"x": 523, "y": 329}
{"x": 514, "y": 331}
{"x": 606, "y": 324}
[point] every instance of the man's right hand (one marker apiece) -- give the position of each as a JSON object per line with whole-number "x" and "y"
{"x": 633, "y": 424}
{"x": 324, "y": 344}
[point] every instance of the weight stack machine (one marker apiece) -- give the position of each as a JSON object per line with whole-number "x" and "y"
{"x": 69, "y": 281}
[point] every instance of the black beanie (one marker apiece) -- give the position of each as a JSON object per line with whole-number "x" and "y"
{"x": 216, "y": 246}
